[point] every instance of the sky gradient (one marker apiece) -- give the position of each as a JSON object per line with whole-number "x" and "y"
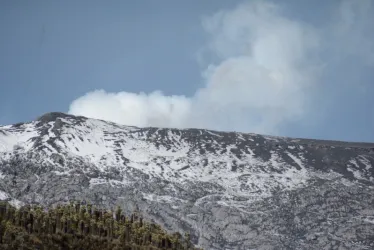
{"x": 288, "y": 68}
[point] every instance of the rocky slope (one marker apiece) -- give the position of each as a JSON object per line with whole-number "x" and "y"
{"x": 230, "y": 190}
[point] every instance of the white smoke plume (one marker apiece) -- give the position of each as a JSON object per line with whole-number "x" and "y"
{"x": 264, "y": 65}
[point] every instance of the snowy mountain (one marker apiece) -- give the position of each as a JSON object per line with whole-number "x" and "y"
{"x": 230, "y": 190}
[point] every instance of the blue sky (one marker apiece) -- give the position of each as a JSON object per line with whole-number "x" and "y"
{"x": 289, "y": 68}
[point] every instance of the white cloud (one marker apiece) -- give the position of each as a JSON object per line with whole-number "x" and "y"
{"x": 266, "y": 65}
{"x": 153, "y": 109}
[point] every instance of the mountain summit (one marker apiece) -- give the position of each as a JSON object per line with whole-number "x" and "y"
{"x": 229, "y": 190}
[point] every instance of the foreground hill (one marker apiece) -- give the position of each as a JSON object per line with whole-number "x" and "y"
{"x": 230, "y": 190}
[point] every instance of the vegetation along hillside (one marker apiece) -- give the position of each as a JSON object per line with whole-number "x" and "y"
{"x": 77, "y": 226}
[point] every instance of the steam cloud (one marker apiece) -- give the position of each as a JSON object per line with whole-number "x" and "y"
{"x": 264, "y": 66}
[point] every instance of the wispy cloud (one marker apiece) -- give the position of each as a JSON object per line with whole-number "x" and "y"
{"x": 263, "y": 65}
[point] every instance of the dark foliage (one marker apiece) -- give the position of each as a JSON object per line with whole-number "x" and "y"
{"x": 83, "y": 227}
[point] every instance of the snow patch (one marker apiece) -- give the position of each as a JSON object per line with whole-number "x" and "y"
{"x": 16, "y": 203}
{"x": 296, "y": 160}
{"x": 210, "y": 132}
{"x": 356, "y": 173}
{"x": 3, "y": 195}
{"x": 162, "y": 198}
{"x": 366, "y": 162}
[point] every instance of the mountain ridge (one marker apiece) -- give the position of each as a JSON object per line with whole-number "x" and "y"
{"x": 227, "y": 188}
{"x": 51, "y": 116}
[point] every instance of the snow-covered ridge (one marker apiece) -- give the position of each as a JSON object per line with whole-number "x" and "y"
{"x": 243, "y": 164}
{"x": 223, "y": 186}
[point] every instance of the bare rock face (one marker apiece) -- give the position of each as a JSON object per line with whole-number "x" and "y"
{"x": 229, "y": 190}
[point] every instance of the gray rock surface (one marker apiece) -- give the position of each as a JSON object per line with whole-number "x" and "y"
{"x": 229, "y": 190}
